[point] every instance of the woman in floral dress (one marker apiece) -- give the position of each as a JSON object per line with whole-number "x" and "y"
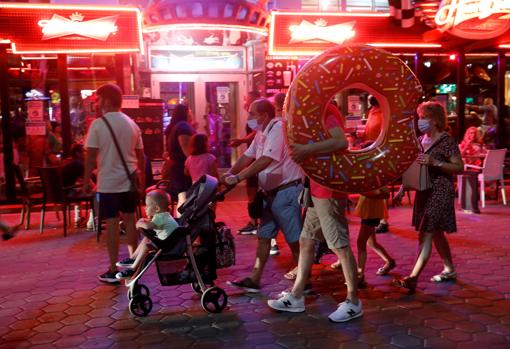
{"x": 434, "y": 209}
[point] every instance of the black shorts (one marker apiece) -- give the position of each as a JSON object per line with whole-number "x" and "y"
{"x": 371, "y": 222}
{"x": 111, "y": 204}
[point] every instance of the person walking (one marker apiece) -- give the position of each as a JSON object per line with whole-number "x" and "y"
{"x": 434, "y": 209}
{"x": 114, "y": 188}
{"x": 178, "y": 134}
{"x": 280, "y": 179}
{"x": 325, "y": 219}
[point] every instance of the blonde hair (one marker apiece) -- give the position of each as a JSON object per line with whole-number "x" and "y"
{"x": 478, "y": 137}
{"x": 160, "y": 198}
{"x": 435, "y": 112}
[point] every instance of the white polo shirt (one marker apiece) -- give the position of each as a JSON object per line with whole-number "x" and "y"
{"x": 112, "y": 177}
{"x": 271, "y": 143}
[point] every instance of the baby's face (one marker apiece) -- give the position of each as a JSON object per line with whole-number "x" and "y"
{"x": 151, "y": 208}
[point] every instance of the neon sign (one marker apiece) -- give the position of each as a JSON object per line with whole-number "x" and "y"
{"x": 48, "y": 28}
{"x": 309, "y": 33}
{"x": 59, "y": 26}
{"x": 474, "y": 19}
{"x": 319, "y": 30}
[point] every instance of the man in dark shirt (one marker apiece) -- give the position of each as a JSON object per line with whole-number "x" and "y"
{"x": 73, "y": 168}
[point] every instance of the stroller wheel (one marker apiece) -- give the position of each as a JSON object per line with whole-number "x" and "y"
{"x": 196, "y": 286}
{"x": 214, "y": 300}
{"x": 138, "y": 289}
{"x": 140, "y": 305}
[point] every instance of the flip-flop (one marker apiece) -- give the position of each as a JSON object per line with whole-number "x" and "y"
{"x": 337, "y": 265}
{"x": 291, "y": 275}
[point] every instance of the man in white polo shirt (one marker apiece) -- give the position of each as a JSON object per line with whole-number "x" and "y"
{"x": 279, "y": 178}
{"x": 113, "y": 184}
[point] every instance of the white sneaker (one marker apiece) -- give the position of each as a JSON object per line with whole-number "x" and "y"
{"x": 287, "y": 302}
{"x": 346, "y": 311}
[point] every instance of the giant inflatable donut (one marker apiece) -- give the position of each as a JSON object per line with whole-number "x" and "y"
{"x": 397, "y": 90}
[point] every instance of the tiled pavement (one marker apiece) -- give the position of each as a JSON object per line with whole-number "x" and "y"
{"x": 50, "y": 297}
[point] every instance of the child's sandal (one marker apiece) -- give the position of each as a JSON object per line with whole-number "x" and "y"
{"x": 385, "y": 269}
{"x": 444, "y": 276}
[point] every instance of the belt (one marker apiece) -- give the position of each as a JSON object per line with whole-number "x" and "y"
{"x": 274, "y": 191}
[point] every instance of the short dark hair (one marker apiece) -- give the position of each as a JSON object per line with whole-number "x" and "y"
{"x": 279, "y": 100}
{"x": 373, "y": 101}
{"x": 263, "y": 105}
{"x": 111, "y": 92}
{"x": 199, "y": 144}
{"x": 76, "y": 149}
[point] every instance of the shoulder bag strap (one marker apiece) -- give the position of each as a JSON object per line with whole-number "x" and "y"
{"x": 119, "y": 152}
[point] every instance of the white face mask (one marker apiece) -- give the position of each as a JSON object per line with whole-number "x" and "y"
{"x": 253, "y": 124}
{"x": 424, "y": 125}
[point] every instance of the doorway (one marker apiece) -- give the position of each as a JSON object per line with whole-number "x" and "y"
{"x": 215, "y": 104}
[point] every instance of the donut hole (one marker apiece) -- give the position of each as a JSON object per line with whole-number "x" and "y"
{"x": 351, "y": 102}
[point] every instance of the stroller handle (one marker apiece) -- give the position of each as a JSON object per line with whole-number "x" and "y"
{"x": 221, "y": 195}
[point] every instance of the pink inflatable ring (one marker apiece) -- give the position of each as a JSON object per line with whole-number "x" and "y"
{"x": 397, "y": 90}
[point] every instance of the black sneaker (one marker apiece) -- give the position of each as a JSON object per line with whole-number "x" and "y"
{"x": 248, "y": 229}
{"x": 125, "y": 274}
{"x": 382, "y": 228}
{"x": 246, "y": 284}
{"x": 125, "y": 263}
{"x": 274, "y": 251}
{"x": 109, "y": 277}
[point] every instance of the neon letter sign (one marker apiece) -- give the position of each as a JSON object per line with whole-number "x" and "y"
{"x": 307, "y": 31}
{"x": 59, "y": 26}
{"x": 452, "y": 13}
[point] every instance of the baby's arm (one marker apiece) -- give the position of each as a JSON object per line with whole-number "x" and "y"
{"x": 144, "y": 223}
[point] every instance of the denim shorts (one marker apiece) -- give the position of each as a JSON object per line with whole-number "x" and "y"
{"x": 111, "y": 204}
{"x": 282, "y": 212}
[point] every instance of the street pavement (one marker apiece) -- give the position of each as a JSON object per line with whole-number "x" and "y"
{"x": 50, "y": 296}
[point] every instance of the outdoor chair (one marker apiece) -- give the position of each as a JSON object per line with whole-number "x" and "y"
{"x": 60, "y": 197}
{"x": 29, "y": 199}
{"x": 492, "y": 170}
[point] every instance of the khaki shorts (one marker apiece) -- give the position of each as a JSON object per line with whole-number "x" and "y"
{"x": 326, "y": 221}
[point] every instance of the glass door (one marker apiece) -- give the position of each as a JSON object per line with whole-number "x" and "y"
{"x": 220, "y": 118}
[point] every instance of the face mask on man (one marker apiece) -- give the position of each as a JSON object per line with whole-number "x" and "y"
{"x": 424, "y": 125}
{"x": 253, "y": 124}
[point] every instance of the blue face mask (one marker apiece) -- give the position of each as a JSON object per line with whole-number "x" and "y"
{"x": 253, "y": 124}
{"x": 424, "y": 125}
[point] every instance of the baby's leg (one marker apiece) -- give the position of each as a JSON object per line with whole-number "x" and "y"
{"x": 141, "y": 252}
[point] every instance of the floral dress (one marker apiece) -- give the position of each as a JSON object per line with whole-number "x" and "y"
{"x": 434, "y": 209}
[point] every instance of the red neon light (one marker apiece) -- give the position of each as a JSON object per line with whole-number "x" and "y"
{"x": 204, "y": 26}
{"x": 48, "y": 28}
{"x": 504, "y": 46}
{"x": 368, "y": 29}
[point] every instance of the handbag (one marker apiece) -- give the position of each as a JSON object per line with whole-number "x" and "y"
{"x": 134, "y": 177}
{"x": 417, "y": 177}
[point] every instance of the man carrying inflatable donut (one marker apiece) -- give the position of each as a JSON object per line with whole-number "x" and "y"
{"x": 324, "y": 220}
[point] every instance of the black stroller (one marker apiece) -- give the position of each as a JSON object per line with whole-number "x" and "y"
{"x": 179, "y": 260}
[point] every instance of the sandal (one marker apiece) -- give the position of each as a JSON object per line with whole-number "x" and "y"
{"x": 291, "y": 275}
{"x": 408, "y": 282}
{"x": 444, "y": 276}
{"x": 385, "y": 269}
{"x": 361, "y": 281}
{"x": 337, "y": 265}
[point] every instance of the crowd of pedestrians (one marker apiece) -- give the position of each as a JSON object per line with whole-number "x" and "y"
{"x": 114, "y": 148}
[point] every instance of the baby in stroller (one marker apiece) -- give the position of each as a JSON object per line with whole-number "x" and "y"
{"x": 191, "y": 254}
{"x": 160, "y": 223}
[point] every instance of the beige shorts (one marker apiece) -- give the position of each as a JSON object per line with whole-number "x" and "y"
{"x": 326, "y": 221}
